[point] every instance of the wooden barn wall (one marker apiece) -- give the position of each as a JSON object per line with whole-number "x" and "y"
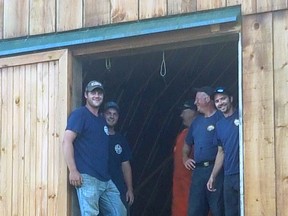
{"x": 32, "y": 120}
{"x": 32, "y": 17}
{"x": 265, "y": 113}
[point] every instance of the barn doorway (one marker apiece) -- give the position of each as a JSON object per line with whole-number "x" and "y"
{"x": 149, "y": 87}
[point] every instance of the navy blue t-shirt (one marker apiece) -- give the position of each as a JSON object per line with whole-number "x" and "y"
{"x": 201, "y": 135}
{"x": 227, "y": 135}
{"x": 119, "y": 151}
{"x": 91, "y": 143}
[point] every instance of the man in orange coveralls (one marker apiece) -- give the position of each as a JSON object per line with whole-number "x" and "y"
{"x": 181, "y": 175}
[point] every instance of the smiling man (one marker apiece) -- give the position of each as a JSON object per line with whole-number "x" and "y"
{"x": 119, "y": 156}
{"x": 227, "y": 138}
{"x": 85, "y": 148}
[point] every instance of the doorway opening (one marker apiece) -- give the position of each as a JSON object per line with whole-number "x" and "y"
{"x": 149, "y": 87}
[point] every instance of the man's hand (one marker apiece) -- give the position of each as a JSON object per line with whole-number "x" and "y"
{"x": 75, "y": 178}
{"x": 189, "y": 164}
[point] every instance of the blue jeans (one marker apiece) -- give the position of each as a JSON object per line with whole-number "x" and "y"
{"x": 232, "y": 195}
{"x": 200, "y": 199}
{"x": 94, "y": 195}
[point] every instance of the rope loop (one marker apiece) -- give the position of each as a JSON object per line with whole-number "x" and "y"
{"x": 163, "y": 69}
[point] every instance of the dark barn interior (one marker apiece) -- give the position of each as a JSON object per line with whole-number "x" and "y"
{"x": 149, "y": 87}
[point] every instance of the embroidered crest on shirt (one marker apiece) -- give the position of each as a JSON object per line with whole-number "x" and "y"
{"x": 118, "y": 149}
{"x": 210, "y": 128}
{"x": 106, "y": 130}
{"x": 236, "y": 122}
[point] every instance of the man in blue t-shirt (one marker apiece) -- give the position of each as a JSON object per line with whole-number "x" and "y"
{"x": 201, "y": 135}
{"x": 85, "y": 148}
{"x": 227, "y": 137}
{"x": 119, "y": 155}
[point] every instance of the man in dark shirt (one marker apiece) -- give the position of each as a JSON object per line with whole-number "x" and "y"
{"x": 227, "y": 138}
{"x": 201, "y": 135}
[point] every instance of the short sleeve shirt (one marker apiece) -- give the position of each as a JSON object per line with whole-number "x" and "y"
{"x": 91, "y": 143}
{"x": 201, "y": 135}
{"x": 227, "y": 134}
{"x": 119, "y": 151}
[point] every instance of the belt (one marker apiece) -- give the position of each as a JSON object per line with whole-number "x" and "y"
{"x": 204, "y": 163}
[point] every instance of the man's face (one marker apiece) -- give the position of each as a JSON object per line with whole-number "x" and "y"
{"x": 201, "y": 101}
{"x": 223, "y": 102}
{"x": 94, "y": 98}
{"x": 187, "y": 116}
{"x": 111, "y": 116}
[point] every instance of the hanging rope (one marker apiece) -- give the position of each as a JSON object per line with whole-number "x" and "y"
{"x": 163, "y": 69}
{"x": 108, "y": 64}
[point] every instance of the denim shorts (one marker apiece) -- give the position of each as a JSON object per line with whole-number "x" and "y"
{"x": 95, "y": 195}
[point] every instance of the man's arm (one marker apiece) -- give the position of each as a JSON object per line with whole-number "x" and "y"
{"x": 188, "y": 162}
{"x": 75, "y": 178}
{"x": 127, "y": 173}
{"x": 217, "y": 167}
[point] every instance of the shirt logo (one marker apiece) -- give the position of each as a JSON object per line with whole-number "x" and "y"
{"x": 118, "y": 149}
{"x": 106, "y": 130}
{"x": 236, "y": 122}
{"x": 210, "y": 128}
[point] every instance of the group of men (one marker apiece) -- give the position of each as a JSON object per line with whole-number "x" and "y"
{"x": 98, "y": 157}
{"x": 211, "y": 150}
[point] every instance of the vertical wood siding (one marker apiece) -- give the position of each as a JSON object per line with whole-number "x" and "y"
{"x": 30, "y": 17}
{"x": 181, "y": 6}
{"x": 280, "y": 24}
{"x": 16, "y": 18}
{"x": 1, "y": 18}
{"x": 42, "y": 16}
{"x": 258, "y": 107}
{"x": 33, "y": 114}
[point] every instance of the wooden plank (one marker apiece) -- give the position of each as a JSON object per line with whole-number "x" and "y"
{"x": 152, "y": 8}
{"x": 69, "y": 15}
{"x": 1, "y": 19}
{"x": 18, "y": 141}
{"x": 97, "y": 12}
{"x": 16, "y": 18}
{"x": 280, "y": 34}
{"x": 208, "y": 4}
{"x": 124, "y": 10}
{"x": 181, "y": 6}
{"x": 233, "y": 2}
{"x": 6, "y": 171}
{"x": 249, "y": 7}
{"x": 42, "y": 16}
{"x": 279, "y": 4}
{"x": 264, "y": 5}
{"x": 31, "y": 58}
{"x": 45, "y": 135}
{"x": 63, "y": 106}
{"x": 258, "y": 109}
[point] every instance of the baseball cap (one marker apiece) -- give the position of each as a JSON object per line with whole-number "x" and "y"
{"x": 111, "y": 104}
{"x": 207, "y": 89}
{"x": 189, "y": 104}
{"x": 93, "y": 85}
{"x": 221, "y": 90}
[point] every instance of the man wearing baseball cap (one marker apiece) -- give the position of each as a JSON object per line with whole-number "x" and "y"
{"x": 227, "y": 138}
{"x": 85, "y": 148}
{"x": 200, "y": 136}
{"x": 119, "y": 156}
{"x": 182, "y": 176}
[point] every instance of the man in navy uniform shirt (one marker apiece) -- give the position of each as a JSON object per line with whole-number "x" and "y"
{"x": 201, "y": 135}
{"x": 227, "y": 137}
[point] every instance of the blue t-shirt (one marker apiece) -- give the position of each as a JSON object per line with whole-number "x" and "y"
{"x": 91, "y": 143}
{"x": 201, "y": 135}
{"x": 119, "y": 151}
{"x": 227, "y": 135}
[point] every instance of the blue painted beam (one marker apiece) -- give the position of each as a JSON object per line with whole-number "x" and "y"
{"x": 118, "y": 31}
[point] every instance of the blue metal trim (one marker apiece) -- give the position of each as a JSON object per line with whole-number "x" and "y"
{"x": 118, "y": 31}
